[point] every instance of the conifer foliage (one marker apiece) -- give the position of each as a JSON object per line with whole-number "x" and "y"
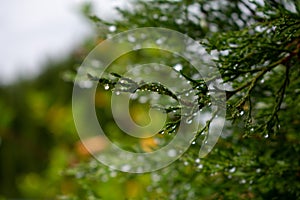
{"x": 257, "y": 44}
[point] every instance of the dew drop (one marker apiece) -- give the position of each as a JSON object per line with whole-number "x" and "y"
{"x": 155, "y": 16}
{"x": 189, "y": 121}
{"x": 232, "y": 170}
{"x": 112, "y": 28}
{"x": 106, "y": 87}
{"x": 266, "y": 136}
{"x": 126, "y": 168}
{"x": 186, "y": 163}
{"x": 143, "y": 99}
{"x": 164, "y": 18}
{"x": 197, "y": 160}
{"x": 179, "y": 21}
{"x": 156, "y": 177}
{"x": 194, "y": 142}
{"x": 200, "y": 166}
{"x": 159, "y": 41}
{"x": 178, "y": 67}
{"x": 172, "y": 153}
{"x": 243, "y": 181}
{"x": 85, "y": 84}
{"x": 131, "y": 38}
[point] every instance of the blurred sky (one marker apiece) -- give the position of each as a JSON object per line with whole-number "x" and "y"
{"x": 33, "y": 30}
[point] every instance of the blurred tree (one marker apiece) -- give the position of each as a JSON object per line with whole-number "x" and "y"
{"x": 257, "y": 43}
{"x": 37, "y": 133}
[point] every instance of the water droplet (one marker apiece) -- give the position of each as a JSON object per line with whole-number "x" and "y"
{"x": 172, "y": 153}
{"x": 232, "y": 170}
{"x": 200, "y": 166}
{"x": 258, "y": 170}
{"x": 179, "y": 21}
{"x": 126, "y": 168}
{"x": 134, "y": 96}
{"x": 112, "y": 28}
{"x": 262, "y": 81}
{"x": 117, "y": 92}
{"x": 131, "y": 38}
{"x": 106, "y": 86}
{"x": 156, "y": 177}
{"x": 164, "y": 18}
{"x": 252, "y": 129}
{"x": 194, "y": 142}
{"x": 186, "y": 163}
{"x": 242, "y": 113}
{"x": 266, "y": 136}
{"x": 243, "y": 181}
{"x": 143, "y": 99}
{"x": 85, "y": 84}
{"x": 197, "y": 160}
{"x": 178, "y": 67}
{"x": 189, "y": 121}
{"x": 159, "y": 41}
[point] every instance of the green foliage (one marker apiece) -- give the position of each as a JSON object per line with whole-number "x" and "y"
{"x": 258, "y": 57}
{"x": 37, "y": 134}
{"x": 257, "y": 48}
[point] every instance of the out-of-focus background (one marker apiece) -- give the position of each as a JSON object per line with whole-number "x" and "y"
{"x": 40, "y": 42}
{"x": 33, "y": 32}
